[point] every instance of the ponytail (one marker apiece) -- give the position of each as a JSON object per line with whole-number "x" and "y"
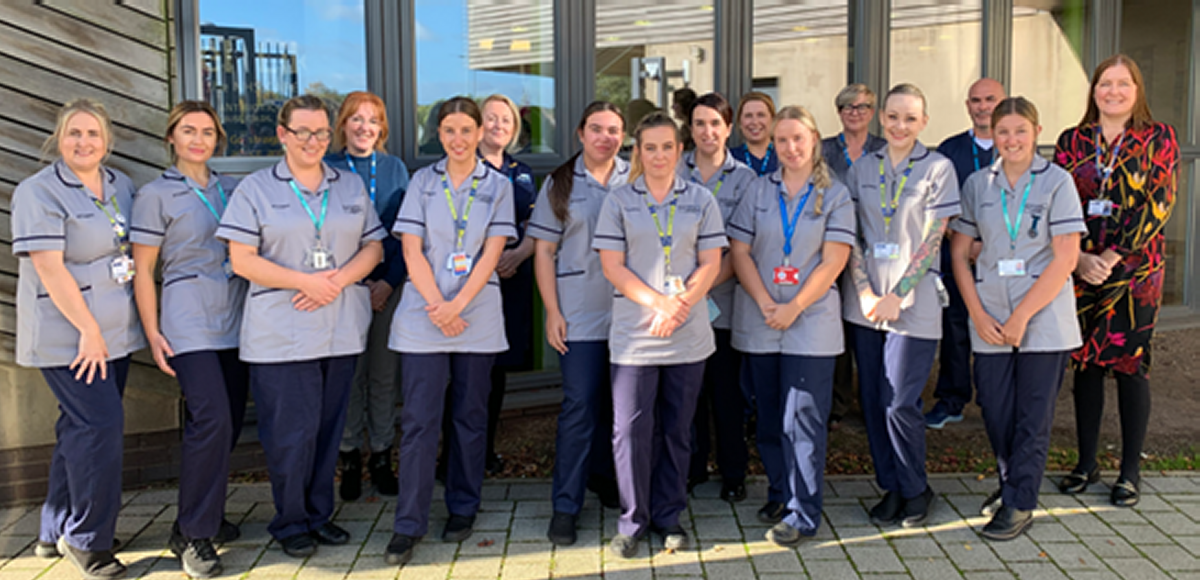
{"x": 562, "y": 182}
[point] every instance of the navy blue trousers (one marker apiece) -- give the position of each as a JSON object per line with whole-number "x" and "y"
{"x": 892, "y": 371}
{"x": 770, "y": 392}
{"x": 215, "y": 384}
{"x": 806, "y": 387}
{"x": 653, "y": 408}
{"x": 301, "y": 412}
{"x": 423, "y": 385}
{"x": 953, "y": 390}
{"x": 583, "y": 444}
{"x": 84, "y": 493}
{"x": 722, "y": 406}
{"x": 1017, "y": 391}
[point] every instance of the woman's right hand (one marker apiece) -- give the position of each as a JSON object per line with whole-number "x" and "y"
{"x": 672, "y": 307}
{"x": 556, "y": 331}
{"x": 989, "y": 330}
{"x": 1092, "y": 269}
{"x": 161, "y": 349}
{"x": 93, "y": 355}
{"x": 316, "y": 290}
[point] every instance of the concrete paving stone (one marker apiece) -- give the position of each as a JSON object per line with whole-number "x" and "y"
{"x": 875, "y": 559}
{"x": 169, "y": 514}
{"x": 525, "y": 572}
{"x": 963, "y": 533}
{"x": 821, "y": 569}
{"x": 273, "y": 562}
{"x": 1175, "y": 575}
{"x": 13, "y": 544}
{"x": 773, "y": 576}
{"x": 1114, "y": 515}
{"x": 8, "y": 515}
{"x": 491, "y": 521}
{"x": 1072, "y": 555}
{"x": 944, "y": 513}
{"x": 756, "y": 489}
{"x": 148, "y": 510}
{"x": 827, "y": 550}
{"x": 847, "y": 515}
{"x": 982, "y": 487}
{"x": 539, "y": 508}
{"x": 1142, "y": 535}
{"x": 887, "y": 576}
{"x": 947, "y": 485}
{"x": 1173, "y": 523}
{"x": 1153, "y": 503}
{"x": 253, "y": 533}
{"x": 965, "y": 504}
{"x": 680, "y": 563}
{"x": 1059, "y": 500}
{"x": 629, "y": 574}
{"x": 261, "y": 512}
{"x": 858, "y": 534}
{"x": 1084, "y": 523}
{"x": 28, "y": 524}
{"x": 1136, "y": 569}
{"x": 1189, "y": 543}
{"x": 63, "y": 570}
{"x": 494, "y": 491}
{"x": 747, "y": 511}
{"x": 238, "y": 559}
{"x": 1097, "y": 496}
{"x": 435, "y": 553}
{"x": 973, "y": 556}
{"x": 1050, "y": 531}
{"x": 128, "y": 526}
{"x": 1018, "y": 549}
{"x": 359, "y": 511}
{"x": 476, "y": 567}
{"x": 574, "y": 566}
{"x": 1171, "y": 558}
{"x": 345, "y": 554}
{"x": 932, "y": 569}
{"x": 608, "y": 528}
{"x": 776, "y": 559}
{"x": 477, "y": 546}
{"x": 718, "y": 528}
{"x": 991, "y": 575}
{"x": 590, "y": 518}
{"x": 710, "y": 507}
{"x": 1037, "y": 571}
{"x": 528, "y": 491}
{"x": 494, "y": 505}
{"x": 323, "y": 571}
{"x": 18, "y": 574}
{"x": 1092, "y": 575}
{"x": 157, "y": 497}
{"x": 860, "y": 488}
{"x": 1169, "y": 484}
{"x": 917, "y": 547}
{"x": 252, "y": 492}
{"x": 1191, "y": 510}
{"x": 412, "y": 573}
{"x": 1111, "y": 547}
{"x": 376, "y": 543}
{"x": 528, "y": 530}
{"x": 152, "y": 537}
{"x": 26, "y": 560}
{"x": 710, "y": 489}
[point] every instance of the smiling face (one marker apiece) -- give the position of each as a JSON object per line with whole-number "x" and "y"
{"x": 459, "y": 135}
{"x": 305, "y": 153}
{"x": 755, "y": 122}
{"x": 601, "y": 137}
{"x": 194, "y": 138}
{"x": 658, "y": 150}
{"x": 857, "y": 115}
{"x": 709, "y": 130}
{"x": 795, "y": 144}
{"x": 82, "y": 144}
{"x": 1116, "y": 92}
{"x": 498, "y": 125}
{"x": 362, "y": 130}
{"x": 1016, "y": 139}
{"x": 982, "y": 99}
{"x": 903, "y": 120}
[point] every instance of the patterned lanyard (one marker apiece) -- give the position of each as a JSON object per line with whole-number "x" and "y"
{"x": 319, "y": 223}
{"x": 889, "y": 209}
{"x": 117, "y": 222}
{"x": 460, "y": 225}
{"x": 1106, "y": 170}
{"x": 664, "y": 238}
{"x": 209, "y": 205}
{"x": 350, "y": 162}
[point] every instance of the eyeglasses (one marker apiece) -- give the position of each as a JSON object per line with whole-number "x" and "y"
{"x": 306, "y": 134}
{"x": 859, "y": 108}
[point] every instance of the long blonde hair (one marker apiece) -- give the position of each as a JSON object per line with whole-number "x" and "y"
{"x": 69, "y": 110}
{"x": 820, "y": 172}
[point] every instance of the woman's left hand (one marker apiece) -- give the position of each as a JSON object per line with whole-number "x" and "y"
{"x": 886, "y": 310}
{"x": 1014, "y": 330}
{"x": 510, "y": 260}
{"x": 443, "y": 313}
{"x": 782, "y": 317}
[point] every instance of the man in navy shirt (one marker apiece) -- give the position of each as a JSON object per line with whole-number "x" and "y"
{"x": 970, "y": 151}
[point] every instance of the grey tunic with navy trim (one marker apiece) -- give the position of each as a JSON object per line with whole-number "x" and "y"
{"x": 425, "y": 213}
{"x": 52, "y": 210}
{"x": 1053, "y": 209}
{"x": 265, "y": 213}
{"x": 625, "y": 225}
{"x": 930, "y": 193}
{"x": 201, "y": 307}
{"x": 584, "y": 294}
{"x": 818, "y": 330}
{"x": 735, "y": 177}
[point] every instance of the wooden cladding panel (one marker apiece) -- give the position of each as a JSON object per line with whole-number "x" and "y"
{"x": 115, "y": 18}
{"x": 82, "y": 36}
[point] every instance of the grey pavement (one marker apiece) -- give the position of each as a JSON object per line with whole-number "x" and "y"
{"x": 1081, "y": 537}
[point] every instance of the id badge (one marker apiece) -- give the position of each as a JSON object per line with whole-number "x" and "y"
{"x": 1102, "y": 207}
{"x": 673, "y": 285}
{"x": 318, "y": 258}
{"x": 787, "y": 275}
{"x": 121, "y": 269}
{"x": 887, "y": 251}
{"x": 459, "y": 264}
{"x": 227, "y": 267}
{"x": 1012, "y": 267}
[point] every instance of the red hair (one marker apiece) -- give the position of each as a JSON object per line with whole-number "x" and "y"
{"x": 350, "y": 106}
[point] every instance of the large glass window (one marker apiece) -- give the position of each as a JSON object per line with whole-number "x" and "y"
{"x": 800, "y": 55}
{"x": 483, "y": 47}
{"x": 937, "y": 45}
{"x": 256, "y": 55}
{"x": 1047, "y": 63}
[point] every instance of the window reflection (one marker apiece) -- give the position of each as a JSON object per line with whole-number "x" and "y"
{"x": 800, "y": 55}
{"x": 1047, "y": 63}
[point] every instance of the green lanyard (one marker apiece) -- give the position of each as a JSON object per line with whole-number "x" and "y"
{"x": 117, "y": 227}
{"x": 664, "y": 238}
{"x": 224, "y": 202}
{"x": 319, "y": 223}
{"x": 889, "y": 210}
{"x": 720, "y": 181}
{"x": 460, "y": 225}
{"x": 1015, "y": 230}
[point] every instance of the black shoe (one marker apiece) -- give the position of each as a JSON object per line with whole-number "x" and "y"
{"x": 562, "y": 529}
{"x": 916, "y": 510}
{"x": 197, "y": 556}
{"x": 400, "y": 549}
{"x": 1125, "y": 493}
{"x": 733, "y": 492}
{"x": 772, "y": 512}
{"x": 494, "y": 464}
{"x": 1078, "y": 481}
{"x": 228, "y": 532}
{"x": 992, "y": 504}
{"x": 887, "y": 511}
{"x": 606, "y": 491}
{"x": 623, "y": 546}
{"x": 301, "y": 545}
{"x": 458, "y": 528}
{"x": 50, "y": 549}
{"x": 99, "y": 565}
{"x": 675, "y": 538}
{"x": 330, "y": 534}
{"x": 1008, "y": 523}
{"x": 382, "y": 473}
{"x": 785, "y": 535}
{"x": 351, "y": 487}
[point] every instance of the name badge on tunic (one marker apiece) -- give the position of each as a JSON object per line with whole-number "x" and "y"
{"x": 786, "y": 275}
{"x": 121, "y": 269}
{"x": 1101, "y": 207}
{"x": 459, "y": 264}
{"x": 319, "y": 258}
{"x": 1012, "y": 267}
{"x": 673, "y": 285}
{"x": 887, "y": 251}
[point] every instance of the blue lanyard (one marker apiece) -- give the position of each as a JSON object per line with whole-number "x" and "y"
{"x": 1104, "y": 170}
{"x": 208, "y": 204}
{"x": 789, "y": 225}
{"x": 846, "y": 149}
{"x": 319, "y": 223}
{"x": 1015, "y": 230}
{"x": 975, "y": 153}
{"x": 765, "y": 160}
{"x": 350, "y": 162}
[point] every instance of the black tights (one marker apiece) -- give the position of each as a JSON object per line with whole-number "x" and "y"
{"x": 1133, "y": 403}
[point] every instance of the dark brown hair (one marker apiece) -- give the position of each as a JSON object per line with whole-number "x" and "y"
{"x": 460, "y": 104}
{"x": 562, "y": 179}
{"x": 1141, "y": 117}
{"x": 302, "y": 102}
{"x": 715, "y": 102}
{"x": 184, "y": 108}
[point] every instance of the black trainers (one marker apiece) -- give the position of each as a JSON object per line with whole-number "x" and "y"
{"x": 623, "y": 546}
{"x": 562, "y": 529}
{"x": 916, "y": 510}
{"x": 458, "y": 528}
{"x": 887, "y": 511}
{"x": 99, "y": 565}
{"x": 772, "y": 512}
{"x": 351, "y": 486}
{"x": 733, "y": 491}
{"x": 197, "y": 556}
{"x": 300, "y": 545}
{"x": 400, "y": 549}
{"x": 784, "y": 535}
{"x": 228, "y": 532}
{"x": 330, "y": 534}
{"x": 992, "y": 504}
{"x": 382, "y": 474}
{"x": 1008, "y": 523}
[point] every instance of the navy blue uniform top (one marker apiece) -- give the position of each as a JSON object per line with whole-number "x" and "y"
{"x": 833, "y": 149}
{"x": 391, "y": 181}
{"x": 524, "y": 191}
{"x": 517, "y": 291}
{"x": 966, "y": 155}
{"x": 761, "y": 165}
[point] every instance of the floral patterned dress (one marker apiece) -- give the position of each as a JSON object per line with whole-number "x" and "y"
{"x": 1118, "y": 317}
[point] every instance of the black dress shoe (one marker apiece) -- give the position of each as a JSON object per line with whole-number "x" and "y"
{"x": 992, "y": 504}
{"x": 351, "y": 487}
{"x": 330, "y": 534}
{"x": 400, "y": 549}
{"x": 694, "y": 480}
{"x": 733, "y": 492}
{"x": 562, "y": 529}
{"x": 1078, "y": 480}
{"x": 1008, "y": 523}
{"x": 772, "y": 512}
{"x": 299, "y": 546}
{"x": 458, "y": 528}
{"x": 887, "y": 511}
{"x": 382, "y": 473}
{"x": 494, "y": 464}
{"x": 916, "y": 510}
{"x": 1125, "y": 493}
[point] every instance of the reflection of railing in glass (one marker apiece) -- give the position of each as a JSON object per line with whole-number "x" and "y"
{"x": 247, "y": 82}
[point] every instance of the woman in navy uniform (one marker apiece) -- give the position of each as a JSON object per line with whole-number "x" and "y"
{"x": 454, "y": 224}
{"x": 755, "y": 113}
{"x": 305, "y": 235}
{"x": 1026, "y": 213}
{"x": 196, "y": 338}
{"x": 76, "y": 322}
{"x": 660, "y": 239}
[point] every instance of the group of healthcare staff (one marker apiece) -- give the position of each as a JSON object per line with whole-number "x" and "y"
{"x": 269, "y": 286}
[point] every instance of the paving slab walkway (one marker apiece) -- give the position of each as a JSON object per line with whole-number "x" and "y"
{"x": 1080, "y": 537}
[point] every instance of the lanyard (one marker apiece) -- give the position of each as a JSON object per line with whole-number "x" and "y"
{"x": 664, "y": 238}
{"x": 1015, "y": 229}
{"x": 765, "y": 160}
{"x": 889, "y": 210}
{"x": 975, "y": 153}
{"x": 350, "y": 162}
{"x": 846, "y": 149}
{"x": 319, "y": 223}
{"x": 789, "y": 224}
{"x": 209, "y": 205}
{"x": 1105, "y": 171}
{"x": 460, "y": 225}
{"x": 117, "y": 222}
{"x": 720, "y": 181}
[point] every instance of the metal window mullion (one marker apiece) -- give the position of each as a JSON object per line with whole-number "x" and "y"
{"x": 870, "y": 46}
{"x": 574, "y": 68}
{"x": 404, "y": 45}
{"x": 1103, "y": 32}
{"x": 998, "y": 41}
{"x": 733, "y": 48}
{"x": 187, "y": 47}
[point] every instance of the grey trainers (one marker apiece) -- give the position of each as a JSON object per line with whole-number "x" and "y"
{"x": 623, "y": 546}
{"x": 675, "y": 538}
{"x": 784, "y": 535}
{"x": 197, "y": 557}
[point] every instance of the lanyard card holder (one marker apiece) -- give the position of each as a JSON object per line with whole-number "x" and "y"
{"x": 886, "y": 251}
{"x": 1014, "y": 267}
{"x": 121, "y": 269}
{"x": 1100, "y": 207}
{"x": 459, "y": 264}
{"x": 786, "y": 275}
{"x": 318, "y": 258}
{"x": 673, "y": 285}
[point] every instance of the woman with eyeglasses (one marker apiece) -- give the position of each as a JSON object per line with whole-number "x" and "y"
{"x": 305, "y": 235}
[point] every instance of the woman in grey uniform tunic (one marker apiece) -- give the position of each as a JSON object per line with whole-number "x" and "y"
{"x": 791, "y": 237}
{"x": 721, "y": 401}
{"x": 578, "y": 302}
{"x": 660, "y": 240}
{"x": 1021, "y": 300}
{"x": 454, "y": 223}
{"x": 905, "y": 195}
{"x": 196, "y": 338}
{"x": 304, "y": 235}
{"x": 77, "y": 323}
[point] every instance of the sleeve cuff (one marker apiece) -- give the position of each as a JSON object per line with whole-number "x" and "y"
{"x": 608, "y": 242}
{"x": 237, "y": 234}
{"x": 840, "y": 235}
{"x": 963, "y": 226}
{"x": 50, "y": 242}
